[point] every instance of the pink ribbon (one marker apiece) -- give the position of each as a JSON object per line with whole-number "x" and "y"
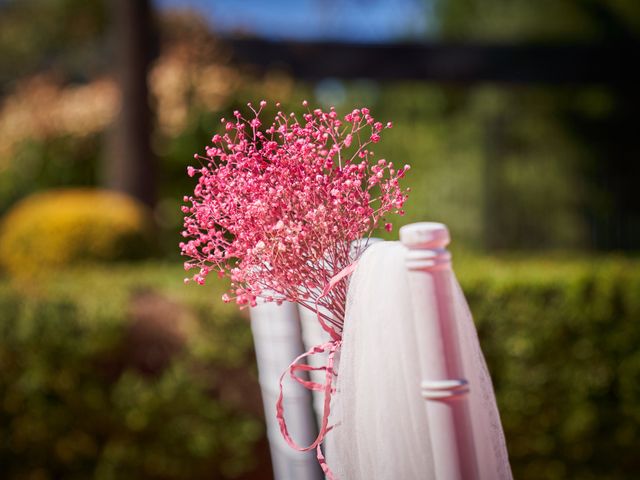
{"x": 348, "y": 270}
{"x": 332, "y": 348}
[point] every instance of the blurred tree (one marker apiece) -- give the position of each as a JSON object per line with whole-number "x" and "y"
{"x": 70, "y": 38}
{"x": 131, "y": 167}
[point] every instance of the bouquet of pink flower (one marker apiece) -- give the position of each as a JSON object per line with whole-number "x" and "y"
{"x": 276, "y": 209}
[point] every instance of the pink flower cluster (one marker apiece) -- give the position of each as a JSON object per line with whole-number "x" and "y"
{"x": 276, "y": 209}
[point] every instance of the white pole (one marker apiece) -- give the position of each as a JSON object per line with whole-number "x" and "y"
{"x": 312, "y": 335}
{"x": 444, "y": 386}
{"x": 277, "y": 340}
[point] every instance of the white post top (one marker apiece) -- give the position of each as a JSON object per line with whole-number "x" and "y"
{"x": 428, "y": 235}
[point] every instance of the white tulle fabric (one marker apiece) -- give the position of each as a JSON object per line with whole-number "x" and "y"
{"x": 382, "y": 431}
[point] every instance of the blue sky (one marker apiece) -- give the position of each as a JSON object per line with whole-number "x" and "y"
{"x": 347, "y": 20}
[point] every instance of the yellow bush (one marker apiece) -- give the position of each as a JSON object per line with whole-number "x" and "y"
{"x": 64, "y": 227}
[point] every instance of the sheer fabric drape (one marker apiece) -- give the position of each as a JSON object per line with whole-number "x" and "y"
{"x": 382, "y": 432}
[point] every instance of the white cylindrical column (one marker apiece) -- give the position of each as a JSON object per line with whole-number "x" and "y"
{"x": 444, "y": 386}
{"x": 312, "y": 335}
{"x": 277, "y": 339}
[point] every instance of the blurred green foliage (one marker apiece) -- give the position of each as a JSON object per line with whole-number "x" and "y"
{"x": 500, "y": 166}
{"x": 504, "y": 167}
{"x": 93, "y": 385}
{"x": 542, "y": 20}
{"x": 43, "y": 164}
{"x": 526, "y": 167}
{"x": 77, "y": 401}
{"x": 65, "y": 35}
{"x": 561, "y": 340}
{"x": 58, "y": 228}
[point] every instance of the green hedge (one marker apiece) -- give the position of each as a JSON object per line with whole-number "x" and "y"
{"x": 561, "y": 340}
{"x": 78, "y": 399}
{"x": 122, "y": 373}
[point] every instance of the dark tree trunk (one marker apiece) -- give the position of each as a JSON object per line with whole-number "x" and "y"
{"x": 131, "y": 166}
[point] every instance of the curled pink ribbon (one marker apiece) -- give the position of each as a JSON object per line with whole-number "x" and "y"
{"x": 348, "y": 270}
{"x": 332, "y": 348}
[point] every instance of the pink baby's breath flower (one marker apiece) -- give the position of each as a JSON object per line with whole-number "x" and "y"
{"x": 275, "y": 209}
